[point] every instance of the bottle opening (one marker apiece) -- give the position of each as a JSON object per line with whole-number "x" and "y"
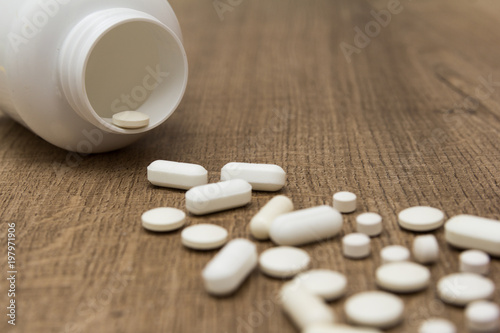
{"x": 135, "y": 66}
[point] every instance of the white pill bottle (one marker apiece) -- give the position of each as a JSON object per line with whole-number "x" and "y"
{"x": 66, "y": 66}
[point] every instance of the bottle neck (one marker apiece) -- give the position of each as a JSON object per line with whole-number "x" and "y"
{"x": 122, "y": 60}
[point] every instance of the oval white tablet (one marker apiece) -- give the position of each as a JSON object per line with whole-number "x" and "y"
{"x": 463, "y": 288}
{"x": 304, "y": 308}
{"x": 230, "y": 267}
{"x": 217, "y": 197}
{"x": 437, "y": 325}
{"x": 425, "y": 249}
{"x": 204, "y": 237}
{"x": 369, "y": 224}
{"x": 374, "y": 309}
{"x": 394, "y": 253}
{"x": 338, "y": 328}
{"x": 176, "y": 175}
{"x": 473, "y": 232}
{"x": 130, "y": 119}
{"x": 262, "y": 177}
{"x": 474, "y": 261}
{"x": 283, "y": 261}
{"x": 403, "y": 277}
{"x": 356, "y": 246}
{"x": 261, "y": 223}
{"x": 325, "y": 283}
{"x": 344, "y": 202}
{"x": 306, "y": 226}
{"x": 421, "y": 218}
{"x": 163, "y": 219}
{"x": 482, "y": 316}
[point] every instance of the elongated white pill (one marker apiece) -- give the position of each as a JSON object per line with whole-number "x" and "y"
{"x": 394, "y": 253}
{"x": 230, "y": 267}
{"x": 217, "y": 197}
{"x": 176, "y": 175}
{"x": 463, "y": 288}
{"x": 421, "y": 218}
{"x": 426, "y": 249}
{"x": 403, "y": 277}
{"x": 437, "y": 325}
{"x": 374, "y": 309}
{"x": 130, "y": 119}
{"x": 261, "y": 223}
{"x": 344, "y": 202}
{"x": 474, "y": 261}
{"x": 483, "y": 316}
{"x": 262, "y": 177}
{"x": 306, "y": 226}
{"x": 337, "y": 328}
{"x": 473, "y": 232}
{"x": 304, "y": 308}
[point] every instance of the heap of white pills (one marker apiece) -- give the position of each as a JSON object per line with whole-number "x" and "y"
{"x": 304, "y": 298}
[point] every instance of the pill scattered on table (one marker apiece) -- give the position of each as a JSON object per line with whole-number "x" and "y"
{"x": 304, "y": 308}
{"x": 482, "y": 316}
{"x": 262, "y": 177}
{"x": 403, "y": 277}
{"x": 216, "y": 197}
{"x": 283, "y": 261}
{"x": 425, "y": 249}
{"x": 261, "y": 223}
{"x": 376, "y": 309}
{"x": 463, "y": 288}
{"x": 421, "y": 218}
{"x": 338, "y": 328}
{"x": 394, "y": 253}
{"x": 474, "y": 261}
{"x": 344, "y": 202}
{"x": 437, "y": 325}
{"x": 130, "y": 119}
{"x": 204, "y": 237}
{"x": 230, "y": 267}
{"x": 356, "y": 246}
{"x": 473, "y": 232}
{"x": 306, "y": 226}
{"x": 369, "y": 224}
{"x": 176, "y": 175}
{"x": 327, "y": 284}
{"x": 163, "y": 219}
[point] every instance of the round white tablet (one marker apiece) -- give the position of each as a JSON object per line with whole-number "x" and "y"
{"x": 482, "y": 316}
{"x": 437, "y": 325}
{"x": 130, "y": 119}
{"x": 403, "y": 277}
{"x": 283, "y": 261}
{"x": 426, "y": 249}
{"x": 344, "y": 202}
{"x": 421, "y": 218}
{"x": 328, "y": 284}
{"x": 163, "y": 219}
{"x": 463, "y": 288}
{"x": 356, "y": 245}
{"x": 369, "y": 224}
{"x": 204, "y": 237}
{"x": 474, "y": 261}
{"x": 374, "y": 309}
{"x": 394, "y": 253}
{"x": 338, "y": 328}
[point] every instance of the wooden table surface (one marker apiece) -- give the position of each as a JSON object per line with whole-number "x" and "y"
{"x": 410, "y": 117}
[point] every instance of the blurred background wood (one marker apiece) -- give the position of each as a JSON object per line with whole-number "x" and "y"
{"x": 410, "y": 120}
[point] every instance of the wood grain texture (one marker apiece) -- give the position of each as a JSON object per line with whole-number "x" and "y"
{"x": 407, "y": 122}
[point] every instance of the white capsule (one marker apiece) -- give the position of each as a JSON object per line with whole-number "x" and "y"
{"x": 394, "y": 253}
{"x": 462, "y": 288}
{"x": 474, "y": 261}
{"x": 261, "y": 223}
{"x": 130, "y": 119}
{"x": 230, "y": 267}
{"x": 369, "y": 224}
{"x": 306, "y": 226}
{"x": 482, "y": 316}
{"x": 344, "y": 202}
{"x": 356, "y": 246}
{"x": 176, "y": 175}
{"x": 262, "y": 177}
{"x": 437, "y": 325}
{"x": 472, "y": 232}
{"x": 217, "y": 197}
{"x": 426, "y": 249}
{"x": 304, "y": 308}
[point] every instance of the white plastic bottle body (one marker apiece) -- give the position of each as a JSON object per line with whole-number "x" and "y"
{"x": 66, "y": 66}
